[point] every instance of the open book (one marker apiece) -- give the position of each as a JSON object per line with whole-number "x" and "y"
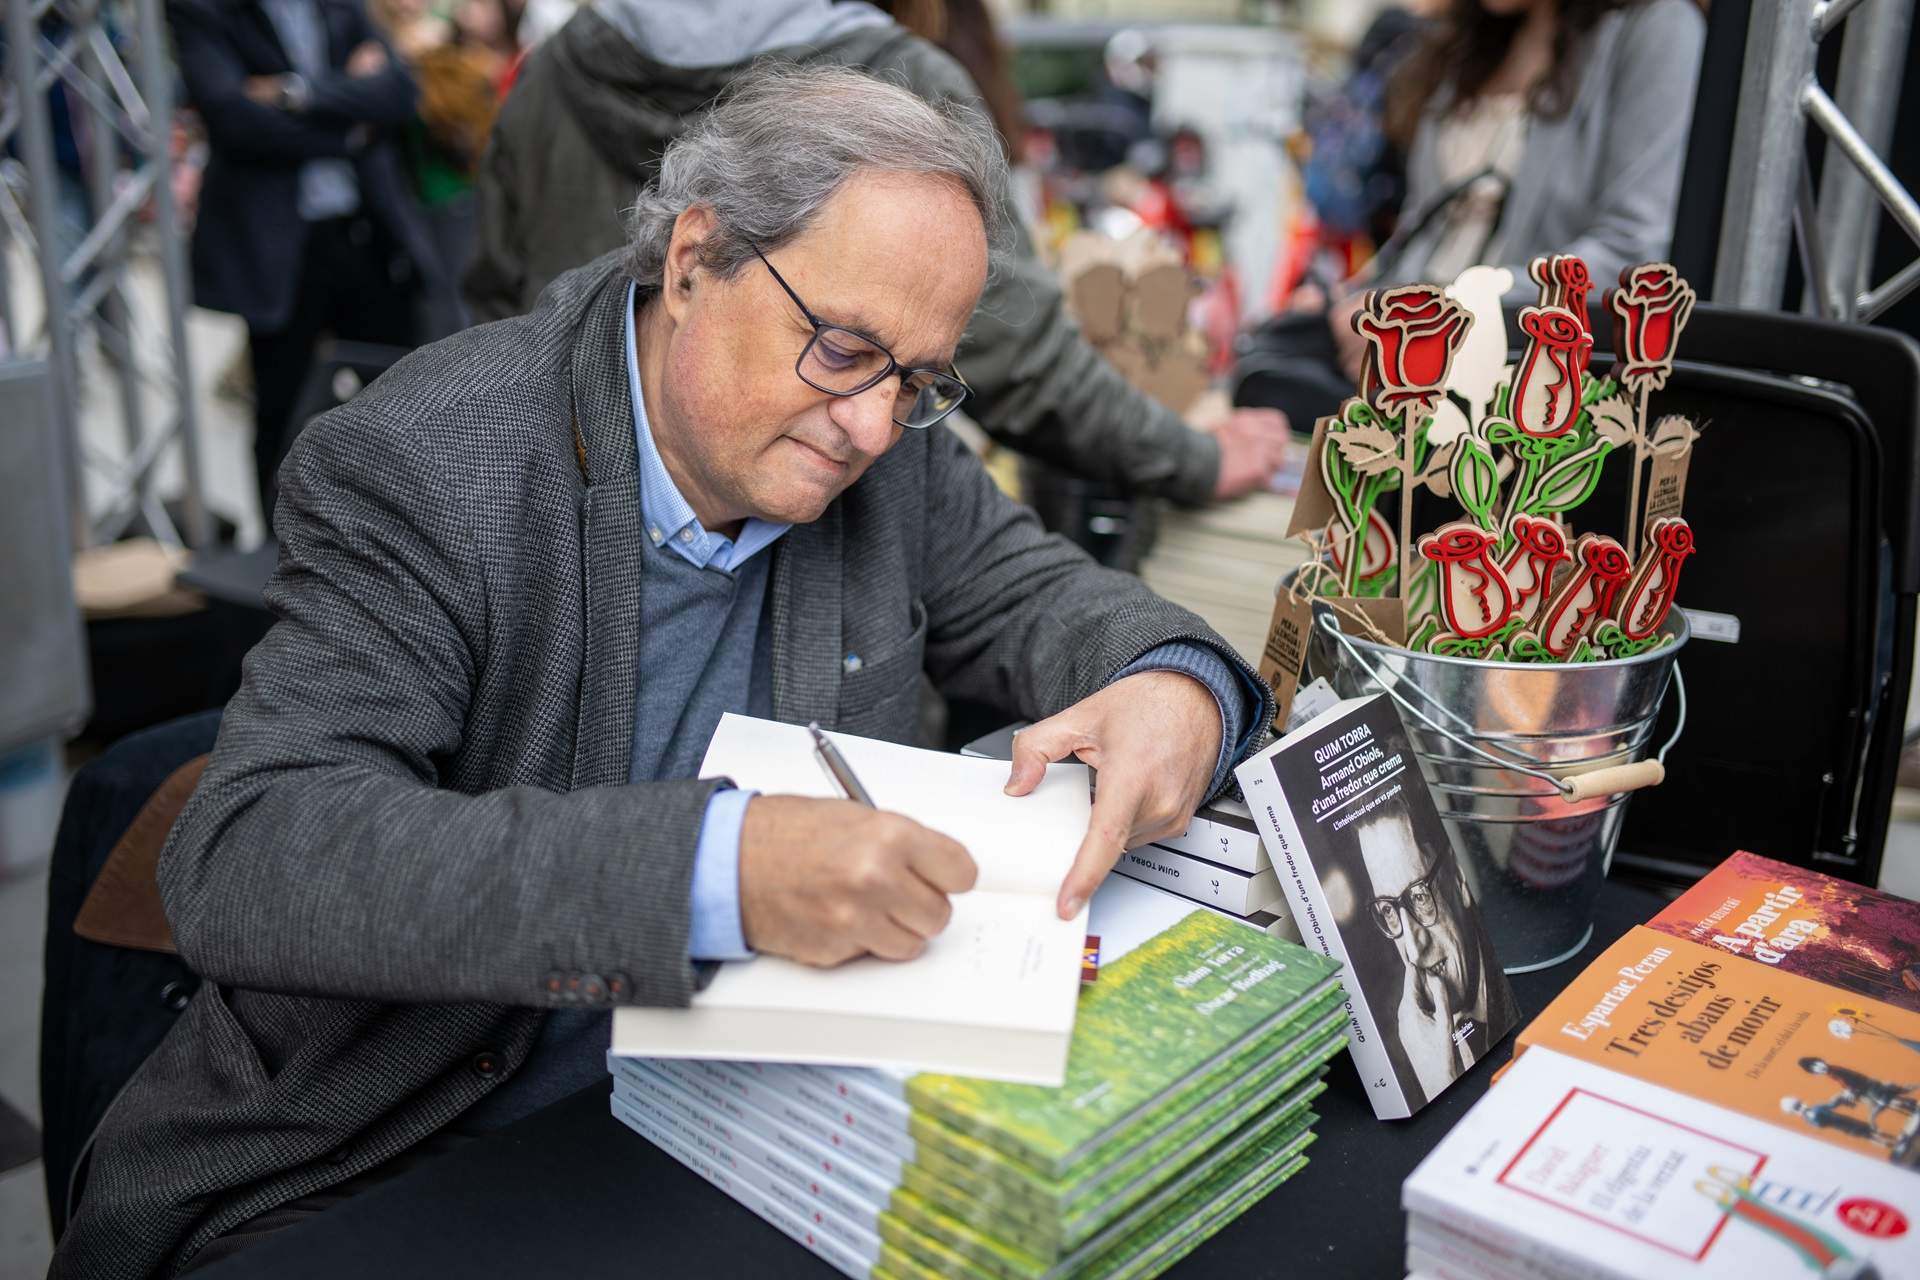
{"x": 993, "y": 995}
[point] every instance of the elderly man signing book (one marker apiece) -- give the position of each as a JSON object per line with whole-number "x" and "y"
{"x": 453, "y": 818}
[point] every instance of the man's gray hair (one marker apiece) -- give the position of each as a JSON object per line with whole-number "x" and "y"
{"x": 784, "y": 140}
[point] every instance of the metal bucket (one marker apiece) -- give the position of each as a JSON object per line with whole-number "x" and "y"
{"x": 1525, "y": 761}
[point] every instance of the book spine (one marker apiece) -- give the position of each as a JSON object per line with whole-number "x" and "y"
{"x": 749, "y": 1186}
{"x": 1275, "y": 924}
{"x": 745, "y": 1124}
{"x": 1208, "y": 883}
{"x": 815, "y": 1185}
{"x": 1503, "y": 1240}
{"x": 857, "y": 1232}
{"x": 855, "y": 1116}
{"x": 1220, "y": 838}
{"x": 778, "y": 1097}
{"x": 882, "y": 1094}
{"x": 1306, "y": 898}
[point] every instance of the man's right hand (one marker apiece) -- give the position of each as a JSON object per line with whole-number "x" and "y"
{"x": 1253, "y": 445}
{"x": 824, "y": 881}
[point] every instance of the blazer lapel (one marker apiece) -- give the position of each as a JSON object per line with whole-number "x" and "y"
{"x": 603, "y": 427}
{"x": 805, "y": 597}
{"x": 269, "y": 36}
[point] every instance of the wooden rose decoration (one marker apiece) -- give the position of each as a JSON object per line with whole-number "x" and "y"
{"x": 1412, "y": 334}
{"x": 1544, "y": 397}
{"x": 1475, "y": 599}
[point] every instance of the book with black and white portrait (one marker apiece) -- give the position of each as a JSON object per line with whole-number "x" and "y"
{"x": 1367, "y": 870}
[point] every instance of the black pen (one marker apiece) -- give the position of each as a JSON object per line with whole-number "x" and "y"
{"x": 837, "y": 766}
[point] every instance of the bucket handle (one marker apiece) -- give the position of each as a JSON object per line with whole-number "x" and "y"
{"x": 1612, "y": 779}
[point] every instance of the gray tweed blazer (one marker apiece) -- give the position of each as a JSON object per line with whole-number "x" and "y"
{"x": 416, "y": 832}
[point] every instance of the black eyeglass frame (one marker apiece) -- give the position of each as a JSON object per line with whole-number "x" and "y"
{"x": 893, "y": 366}
{"x": 1402, "y": 903}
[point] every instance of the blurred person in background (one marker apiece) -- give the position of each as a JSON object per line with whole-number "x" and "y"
{"x": 1530, "y": 127}
{"x": 305, "y": 226}
{"x": 462, "y": 61}
{"x": 594, "y": 107}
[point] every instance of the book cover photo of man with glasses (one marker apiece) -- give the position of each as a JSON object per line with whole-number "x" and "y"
{"x": 1453, "y": 1002}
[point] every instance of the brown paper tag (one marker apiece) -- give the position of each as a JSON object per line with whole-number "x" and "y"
{"x": 1285, "y": 653}
{"x": 1667, "y": 485}
{"x": 1389, "y": 613}
{"x": 1313, "y": 505}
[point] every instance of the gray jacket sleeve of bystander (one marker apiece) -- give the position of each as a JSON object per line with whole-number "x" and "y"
{"x": 1039, "y": 385}
{"x": 326, "y": 853}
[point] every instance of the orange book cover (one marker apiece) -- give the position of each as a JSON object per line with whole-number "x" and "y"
{"x": 1845, "y": 935}
{"x": 1752, "y": 1038}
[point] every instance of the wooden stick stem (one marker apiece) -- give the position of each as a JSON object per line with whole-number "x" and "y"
{"x": 1640, "y": 436}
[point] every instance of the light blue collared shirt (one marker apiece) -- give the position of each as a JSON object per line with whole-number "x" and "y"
{"x": 713, "y": 931}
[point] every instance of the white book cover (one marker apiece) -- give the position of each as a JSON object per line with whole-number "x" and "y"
{"x": 1234, "y": 892}
{"x": 1370, "y": 876}
{"x": 993, "y": 995}
{"x": 1570, "y": 1169}
{"x": 1222, "y": 831}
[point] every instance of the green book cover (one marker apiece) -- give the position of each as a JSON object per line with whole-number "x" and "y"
{"x": 1021, "y": 1220}
{"x": 1162, "y": 1014}
{"x": 922, "y": 1243}
{"x": 1051, "y": 1241}
{"x": 968, "y": 1162}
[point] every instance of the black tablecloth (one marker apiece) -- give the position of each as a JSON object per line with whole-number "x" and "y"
{"x": 571, "y": 1192}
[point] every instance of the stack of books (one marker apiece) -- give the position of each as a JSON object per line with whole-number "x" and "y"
{"x": 1195, "y": 1059}
{"x": 1731, "y": 1090}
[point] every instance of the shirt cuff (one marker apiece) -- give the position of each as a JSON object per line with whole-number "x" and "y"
{"x": 1239, "y": 702}
{"x": 713, "y": 925}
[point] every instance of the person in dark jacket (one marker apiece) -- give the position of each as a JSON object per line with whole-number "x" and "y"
{"x": 596, "y": 105}
{"x": 305, "y": 227}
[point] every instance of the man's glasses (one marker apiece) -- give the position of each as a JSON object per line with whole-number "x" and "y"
{"x": 842, "y": 362}
{"x": 1421, "y": 900}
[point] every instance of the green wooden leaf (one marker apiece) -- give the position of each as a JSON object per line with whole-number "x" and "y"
{"x": 1476, "y": 480}
{"x": 1570, "y": 483}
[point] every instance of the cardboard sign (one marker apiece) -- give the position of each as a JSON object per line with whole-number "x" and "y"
{"x": 1389, "y": 613}
{"x": 1285, "y": 653}
{"x": 1667, "y": 485}
{"x": 1313, "y": 505}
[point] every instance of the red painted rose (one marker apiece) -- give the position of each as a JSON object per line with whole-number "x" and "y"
{"x": 1650, "y": 308}
{"x": 1412, "y": 334}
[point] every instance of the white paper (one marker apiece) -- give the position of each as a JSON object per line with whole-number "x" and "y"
{"x": 1021, "y": 844}
{"x": 993, "y": 994}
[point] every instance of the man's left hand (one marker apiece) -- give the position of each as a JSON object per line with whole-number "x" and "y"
{"x": 1155, "y": 738}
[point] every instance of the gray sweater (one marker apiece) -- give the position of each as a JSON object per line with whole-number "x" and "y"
{"x": 1601, "y": 181}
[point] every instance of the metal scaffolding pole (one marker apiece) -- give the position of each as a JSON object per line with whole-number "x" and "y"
{"x": 122, "y": 122}
{"x": 26, "y": 107}
{"x": 1770, "y": 202}
{"x": 1872, "y": 58}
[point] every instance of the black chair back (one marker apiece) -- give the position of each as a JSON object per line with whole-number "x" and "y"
{"x": 103, "y": 1009}
{"x": 1804, "y": 495}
